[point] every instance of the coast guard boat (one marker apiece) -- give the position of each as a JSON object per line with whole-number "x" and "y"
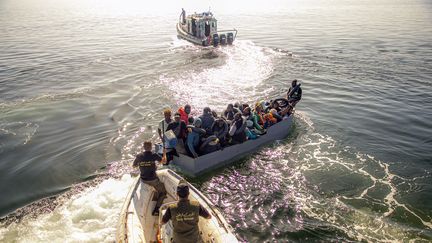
{"x": 201, "y": 29}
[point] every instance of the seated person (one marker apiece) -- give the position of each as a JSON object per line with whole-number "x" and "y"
{"x": 275, "y": 105}
{"x": 254, "y": 127}
{"x": 269, "y": 120}
{"x": 185, "y": 229}
{"x": 276, "y": 114}
{"x": 194, "y": 137}
{"x": 210, "y": 145}
{"x": 207, "y": 120}
{"x": 230, "y": 112}
{"x": 294, "y": 93}
{"x": 220, "y": 130}
{"x": 237, "y": 130}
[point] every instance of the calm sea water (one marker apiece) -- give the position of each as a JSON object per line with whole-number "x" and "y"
{"x": 83, "y": 84}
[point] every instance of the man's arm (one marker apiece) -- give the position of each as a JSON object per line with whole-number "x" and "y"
{"x": 204, "y": 213}
{"x": 136, "y": 161}
{"x": 166, "y": 217}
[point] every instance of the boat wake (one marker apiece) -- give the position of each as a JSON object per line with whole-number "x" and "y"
{"x": 220, "y": 75}
{"x": 89, "y": 216}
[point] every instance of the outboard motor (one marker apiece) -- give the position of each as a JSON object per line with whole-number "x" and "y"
{"x": 215, "y": 40}
{"x": 223, "y": 39}
{"x": 230, "y": 38}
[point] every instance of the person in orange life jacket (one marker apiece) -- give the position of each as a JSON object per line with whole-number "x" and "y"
{"x": 275, "y": 111}
{"x": 184, "y": 113}
{"x": 294, "y": 93}
{"x": 184, "y": 215}
{"x": 147, "y": 165}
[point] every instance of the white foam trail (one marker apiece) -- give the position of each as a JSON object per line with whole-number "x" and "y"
{"x": 246, "y": 65}
{"x": 91, "y": 216}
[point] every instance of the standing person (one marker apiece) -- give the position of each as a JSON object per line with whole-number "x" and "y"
{"x": 178, "y": 127}
{"x": 184, "y": 113}
{"x": 146, "y": 163}
{"x": 294, "y": 93}
{"x": 163, "y": 125}
{"x": 184, "y": 215}
{"x": 207, "y": 120}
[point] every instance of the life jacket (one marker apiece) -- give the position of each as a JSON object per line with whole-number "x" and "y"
{"x": 183, "y": 115}
{"x": 185, "y": 216}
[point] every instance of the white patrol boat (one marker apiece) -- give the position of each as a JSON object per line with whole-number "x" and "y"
{"x": 201, "y": 29}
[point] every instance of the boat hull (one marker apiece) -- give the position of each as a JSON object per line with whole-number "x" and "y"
{"x": 195, "y": 166}
{"x": 184, "y": 35}
{"x": 137, "y": 224}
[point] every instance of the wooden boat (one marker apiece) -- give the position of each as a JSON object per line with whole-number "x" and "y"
{"x": 201, "y": 29}
{"x": 137, "y": 224}
{"x": 195, "y": 166}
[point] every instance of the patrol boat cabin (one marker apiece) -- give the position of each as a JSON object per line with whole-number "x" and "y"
{"x": 201, "y": 29}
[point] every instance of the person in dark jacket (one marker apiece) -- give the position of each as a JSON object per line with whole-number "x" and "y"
{"x": 220, "y": 130}
{"x": 207, "y": 120}
{"x": 146, "y": 163}
{"x": 229, "y": 112}
{"x": 237, "y": 129}
{"x": 210, "y": 145}
{"x": 184, "y": 215}
{"x": 294, "y": 93}
{"x": 195, "y": 133}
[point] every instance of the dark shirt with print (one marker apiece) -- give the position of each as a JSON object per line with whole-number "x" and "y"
{"x": 147, "y": 165}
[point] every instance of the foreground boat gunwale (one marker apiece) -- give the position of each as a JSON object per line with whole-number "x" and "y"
{"x": 169, "y": 178}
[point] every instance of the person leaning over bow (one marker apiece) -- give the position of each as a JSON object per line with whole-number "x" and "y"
{"x": 146, "y": 163}
{"x": 184, "y": 215}
{"x": 294, "y": 93}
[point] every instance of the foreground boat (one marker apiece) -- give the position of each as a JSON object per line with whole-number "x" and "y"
{"x": 137, "y": 224}
{"x": 195, "y": 166}
{"x": 201, "y": 29}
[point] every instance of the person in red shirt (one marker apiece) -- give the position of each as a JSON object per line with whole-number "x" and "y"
{"x": 184, "y": 113}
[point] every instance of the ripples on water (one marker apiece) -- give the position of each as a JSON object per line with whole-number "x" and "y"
{"x": 79, "y": 97}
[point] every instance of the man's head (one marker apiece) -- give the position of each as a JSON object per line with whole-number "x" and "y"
{"x": 206, "y": 110}
{"x": 147, "y": 146}
{"x": 230, "y": 107}
{"x": 187, "y": 109}
{"x": 177, "y": 117}
{"x": 294, "y": 83}
{"x": 197, "y": 122}
{"x": 167, "y": 114}
{"x": 183, "y": 189}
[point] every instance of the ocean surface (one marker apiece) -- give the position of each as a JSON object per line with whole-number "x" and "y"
{"x": 84, "y": 82}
